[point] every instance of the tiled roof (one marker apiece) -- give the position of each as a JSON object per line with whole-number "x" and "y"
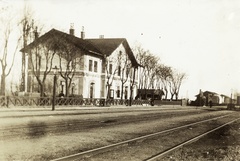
{"x": 100, "y": 47}
{"x": 207, "y": 92}
{"x": 60, "y": 37}
{"x": 108, "y": 45}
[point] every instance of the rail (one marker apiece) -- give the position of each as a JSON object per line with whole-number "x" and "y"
{"x": 127, "y": 142}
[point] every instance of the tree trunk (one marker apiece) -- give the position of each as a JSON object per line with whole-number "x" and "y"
{"x": 41, "y": 88}
{"x": 3, "y": 84}
{"x": 122, "y": 91}
{"x": 108, "y": 91}
{"x": 176, "y": 95}
{"x": 172, "y": 95}
{"x": 166, "y": 93}
{"x": 66, "y": 87}
{"x": 131, "y": 87}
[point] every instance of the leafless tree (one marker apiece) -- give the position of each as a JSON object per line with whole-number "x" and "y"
{"x": 69, "y": 57}
{"x": 165, "y": 74}
{"x": 153, "y": 62}
{"x": 41, "y": 59}
{"x": 40, "y": 54}
{"x": 7, "y": 54}
{"x": 124, "y": 70}
{"x": 141, "y": 54}
{"x": 111, "y": 65}
{"x": 27, "y": 29}
{"x": 176, "y": 82}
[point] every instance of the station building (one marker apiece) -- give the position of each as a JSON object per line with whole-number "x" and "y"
{"x": 92, "y": 65}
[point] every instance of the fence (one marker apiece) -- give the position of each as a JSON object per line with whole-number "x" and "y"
{"x": 182, "y": 102}
{"x": 12, "y": 101}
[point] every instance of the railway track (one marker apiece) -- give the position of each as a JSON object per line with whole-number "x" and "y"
{"x": 155, "y": 145}
{"x": 37, "y": 129}
{"x": 84, "y": 112}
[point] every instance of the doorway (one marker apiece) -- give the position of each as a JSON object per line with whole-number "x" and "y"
{"x": 92, "y": 87}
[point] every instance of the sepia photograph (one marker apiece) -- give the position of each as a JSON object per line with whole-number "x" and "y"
{"x": 119, "y": 80}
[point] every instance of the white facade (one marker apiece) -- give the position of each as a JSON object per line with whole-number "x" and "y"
{"x": 90, "y": 79}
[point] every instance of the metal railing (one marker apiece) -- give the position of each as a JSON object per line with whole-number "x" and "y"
{"x": 12, "y": 101}
{"x": 18, "y": 101}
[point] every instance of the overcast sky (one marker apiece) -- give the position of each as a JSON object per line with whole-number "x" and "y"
{"x": 198, "y": 37}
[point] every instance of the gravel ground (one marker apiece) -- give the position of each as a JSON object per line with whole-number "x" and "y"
{"x": 50, "y": 146}
{"x": 222, "y": 145}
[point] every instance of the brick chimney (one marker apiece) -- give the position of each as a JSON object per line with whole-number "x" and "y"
{"x": 71, "y": 30}
{"x": 82, "y": 33}
{"x": 36, "y": 34}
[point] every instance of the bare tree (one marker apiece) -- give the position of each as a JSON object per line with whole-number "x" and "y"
{"x": 111, "y": 64}
{"x": 27, "y": 26}
{"x": 132, "y": 82}
{"x": 30, "y": 32}
{"x": 141, "y": 54}
{"x": 7, "y": 28}
{"x": 176, "y": 82}
{"x": 43, "y": 52}
{"x": 165, "y": 74}
{"x": 124, "y": 70}
{"x": 157, "y": 72}
{"x": 68, "y": 58}
{"x": 153, "y": 62}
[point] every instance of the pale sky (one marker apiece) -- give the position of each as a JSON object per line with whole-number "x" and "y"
{"x": 198, "y": 37}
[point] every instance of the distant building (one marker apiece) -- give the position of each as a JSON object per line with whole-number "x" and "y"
{"x": 225, "y": 99}
{"x": 203, "y": 98}
{"x": 96, "y": 60}
{"x": 156, "y": 94}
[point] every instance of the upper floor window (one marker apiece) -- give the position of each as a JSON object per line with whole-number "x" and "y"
{"x": 95, "y": 66}
{"x": 119, "y": 70}
{"x": 120, "y": 53}
{"x": 127, "y": 72}
{"x": 90, "y": 65}
{"x": 110, "y": 68}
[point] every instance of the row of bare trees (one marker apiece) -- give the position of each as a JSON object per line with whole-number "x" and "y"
{"x": 152, "y": 74}
{"x": 121, "y": 66}
{"x": 155, "y": 75}
{"x": 18, "y": 32}
{"x": 48, "y": 50}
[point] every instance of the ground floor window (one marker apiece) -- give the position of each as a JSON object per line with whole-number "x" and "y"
{"x": 118, "y": 92}
{"x": 126, "y": 92}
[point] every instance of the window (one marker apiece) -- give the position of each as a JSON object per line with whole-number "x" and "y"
{"x": 110, "y": 68}
{"x": 127, "y": 72}
{"x": 118, "y": 91}
{"x": 90, "y": 65}
{"x": 95, "y": 66}
{"x": 126, "y": 92}
{"x": 119, "y": 70}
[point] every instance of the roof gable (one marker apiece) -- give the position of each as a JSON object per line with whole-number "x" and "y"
{"x": 57, "y": 38}
{"x": 108, "y": 45}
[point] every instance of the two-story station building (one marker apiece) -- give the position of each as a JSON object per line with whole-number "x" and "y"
{"x": 93, "y": 68}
